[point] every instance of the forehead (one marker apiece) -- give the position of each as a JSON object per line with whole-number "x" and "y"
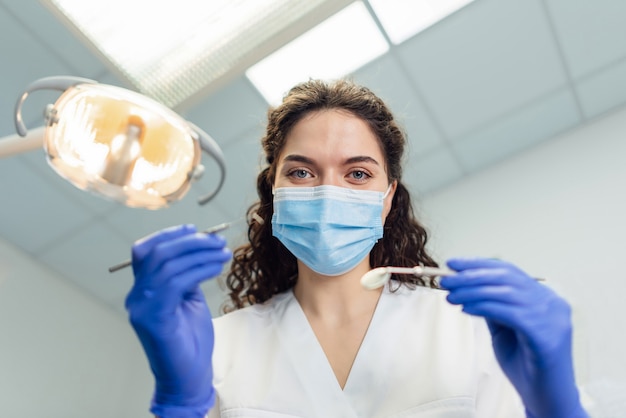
{"x": 335, "y": 132}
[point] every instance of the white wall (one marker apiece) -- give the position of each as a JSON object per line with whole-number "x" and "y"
{"x": 62, "y": 354}
{"x": 559, "y": 212}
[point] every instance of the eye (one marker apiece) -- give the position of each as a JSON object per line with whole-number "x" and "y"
{"x": 299, "y": 173}
{"x": 359, "y": 175}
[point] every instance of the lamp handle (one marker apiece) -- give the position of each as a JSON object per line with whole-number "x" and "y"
{"x": 211, "y": 147}
{"x": 60, "y": 83}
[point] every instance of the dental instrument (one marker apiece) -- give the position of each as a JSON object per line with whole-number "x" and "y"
{"x": 378, "y": 277}
{"x": 211, "y": 230}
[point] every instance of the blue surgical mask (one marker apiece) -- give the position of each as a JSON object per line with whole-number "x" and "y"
{"x": 330, "y": 229}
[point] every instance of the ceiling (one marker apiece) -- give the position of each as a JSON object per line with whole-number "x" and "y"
{"x": 492, "y": 80}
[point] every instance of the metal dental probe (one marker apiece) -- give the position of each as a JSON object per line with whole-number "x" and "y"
{"x": 211, "y": 230}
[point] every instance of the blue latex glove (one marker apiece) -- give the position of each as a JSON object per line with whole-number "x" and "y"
{"x": 531, "y": 331}
{"x": 170, "y": 316}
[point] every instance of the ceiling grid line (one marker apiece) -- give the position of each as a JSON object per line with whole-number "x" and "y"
{"x": 446, "y": 141}
{"x": 377, "y": 21}
{"x": 417, "y": 92}
{"x": 562, "y": 59}
{"x": 69, "y": 233}
{"x": 511, "y": 112}
{"x": 601, "y": 69}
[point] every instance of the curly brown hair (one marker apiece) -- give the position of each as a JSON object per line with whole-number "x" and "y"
{"x": 264, "y": 267}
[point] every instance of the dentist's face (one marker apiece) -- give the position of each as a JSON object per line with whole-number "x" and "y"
{"x": 333, "y": 147}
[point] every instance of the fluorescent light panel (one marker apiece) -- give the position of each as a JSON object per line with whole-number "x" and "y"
{"x": 334, "y": 48}
{"x": 170, "y": 50}
{"x": 402, "y": 19}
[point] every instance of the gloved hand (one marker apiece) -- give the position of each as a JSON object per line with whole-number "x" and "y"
{"x": 170, "y": 316}
{"x": 531, "y": 331}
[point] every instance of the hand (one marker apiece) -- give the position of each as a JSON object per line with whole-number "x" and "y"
{"x": 531, "y": 331}
{"x": 170, "y": 316}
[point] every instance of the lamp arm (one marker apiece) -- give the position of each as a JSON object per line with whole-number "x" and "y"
{"x": 15, "y": 144}
{"x": 211, "y": 147}
{"x": 61, "y": 83}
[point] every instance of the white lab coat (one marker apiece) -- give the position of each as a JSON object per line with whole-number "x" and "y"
{"x": 421, "y": 357}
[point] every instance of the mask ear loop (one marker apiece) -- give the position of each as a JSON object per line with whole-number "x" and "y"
{"x": 258, "y": 218}
{"x": 388, "y": 190}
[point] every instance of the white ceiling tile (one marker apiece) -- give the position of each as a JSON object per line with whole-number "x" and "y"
{"x": 135, "y": 223}
{"x": 115, "y": 80}
{"x": 84, "y": 259}
{"x": 95, "y": 204}
{"x": 425, "y": 174}
{"x": 518, "y": 131}
{"x": 35, "y": 215}
{"x": 23, "y": 61}
{"x": 592, "y": 33}
{"x": 600, "y": 93}
{"x": 385, "y": 78}
{"x": 244, "y": 160}
{"x": 57, "y": 39}
{"x": 230, "y": 112}
{"x": 483, "y": 61}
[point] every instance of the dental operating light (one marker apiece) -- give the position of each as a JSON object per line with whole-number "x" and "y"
{"x": 120, "y": 144}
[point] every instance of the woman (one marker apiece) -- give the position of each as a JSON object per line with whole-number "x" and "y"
{"x": 305, "y": 338}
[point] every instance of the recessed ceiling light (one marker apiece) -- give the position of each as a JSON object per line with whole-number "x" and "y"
{"x": 405, "y": 18}
{"x": 333, "y": 49}
{"x": 173, "y": 51}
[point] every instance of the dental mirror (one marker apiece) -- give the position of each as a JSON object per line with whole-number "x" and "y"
{"x": 379, "y": 276}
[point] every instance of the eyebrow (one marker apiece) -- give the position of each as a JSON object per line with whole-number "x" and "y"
{"x": 361, "y": 159}
{"x": 299, "y": 158}
{"x": 351, "y": 160}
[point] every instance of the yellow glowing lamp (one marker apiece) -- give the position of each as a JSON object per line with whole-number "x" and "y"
{"x": 121, "y": 144}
